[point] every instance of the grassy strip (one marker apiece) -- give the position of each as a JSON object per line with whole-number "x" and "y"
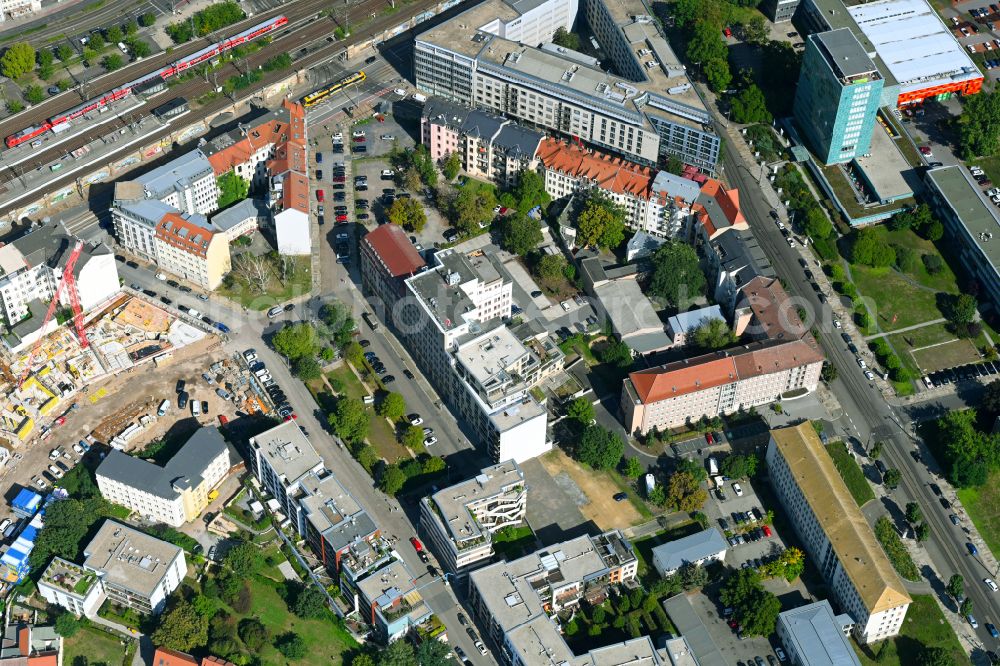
{"x": 983, "y": 506}
{"x": 895, "y": 550}
{"x": 924, "y": 627}
{"x": 849, "y": 470}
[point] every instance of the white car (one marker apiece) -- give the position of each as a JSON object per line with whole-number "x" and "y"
{"x": 791, "y": 242}
{"x": 387, "y": 137}
{"x": 162, "y": 277}
{"x": 399, "y": 91}
{"x": 338, "y": 137}
{"x": 781, "y": 225}
{"x": 992, "y": 192}
{"x": 738, "y": 490}
{"x": 481, "y": 647}
{"x": 430, "y": 441}
{"x": 39, "y": 482}
{"x": 55, "y": 471}
{"x": 781, "y": 654}
{"x": 54, "y": 454}
{"x": 869, "y": 375}
{"x": 416, "y": 420}
{"x": 861, "y": 363}
{"x": 78, "y": 449}
{"x": 358, "y": 133}
{"x": 990, "y": 584}
{"x": 836, "y": 323}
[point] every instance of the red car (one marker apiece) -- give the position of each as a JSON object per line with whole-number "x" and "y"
{"x": 339, "y": 179}
{"x": 341, "y": 218}
{"x": 359, "y": 139}
{"x": 767, "y": 531}
{"x": 727, "y": 32}
{"x": 419, "y": 547}
{"x": 319, "y": 195}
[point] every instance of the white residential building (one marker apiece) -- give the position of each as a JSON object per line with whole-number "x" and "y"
{"x": 12, "y": 9}
{"x": 32, "y": 267}
{"x": 186, "y": 183}
{"x": 174, "y": 494}
{"x": 460, "y": 520}
{"x": 814, "y": 636}
{"x": 835, "y": 534}
{"x": 122, "y": 565}
{"x": 699, "y": 549}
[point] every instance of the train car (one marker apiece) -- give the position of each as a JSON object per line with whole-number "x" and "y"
{"x": 150, "y": 82}
{"x": 350, "y": 80}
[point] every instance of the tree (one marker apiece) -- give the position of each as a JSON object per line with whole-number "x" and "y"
{"x": 829, "y": 372}
{"x": 399, "y": 653}
{"x": 147, "y": 19}
{"x": 962, "y": 310}
{"x": 295, "y": 341}
{"x": 923, "y": 531}
{"x": 67, "y": 524}
{"x": 17, "y": 60}
{"x": 64, "y": 52}
{"x": 529, "y": 191}
{"x": 750, "y": 106}
{"x": 451, "y": 166}
{"x": 34, "y": 94}
{"x": 755, "y": 608}
{"x": 871, "y": 249}
{"x": 434, "y": 653}
{"x": 601, "y": 222}
{"x": 232, "y": 187}
{"x": 181, "y": 628}
{"x": 718, "y": 75}
{"x": 253, "y": 634}
{"x": 408, "y": 213}
{"x": 891, "y": 478}
{"x": 473, "y": 204}
{"x": 684, "y": 493}
{"x": 307, "y": 368}
{"x": 131, "y": 27}
{"x": 565, "y": 38}
{"x": 600, "y": 448}
{"x": 677, "y": 275}
{"x": 706, "y": 44}
{"x": 581, "y": 409}
{"x": 755, "y": 30}
{"x": 140, "y": 49}
{"x": 617, "y": 353}
{"x": 979, "y": 126}
{"x": 876, "y": 451}
{"x": 935, "y": 656}
{"x": 712, "y": 334}
{"x": 362, "y": 659}
{"x": 114, "y": 34}
{"x": 354, "y": 353}
{"x": 692, "y": 576}
{"x": 67, "y": 624}
{"x": 392, "y": 407}
{"x": 956, "y": 586}
{"x": 413, "y": 437}
{"x": 244, "y": 559}
{"x": 966, "y": 607}
{"x": 738, "y": 466}
{"x": 634, "y": 468}
{"x": 550, "y": 267}
{"x": 291, "y": 645}
{"x": 391, "y": 480}
{"x": 350, "y": 420}
{"x": 817, "y": 224}
{"x": 97, "y": 42}
{"x": 913, "y": 513}
{"x": 45, "y": 58}
{"x": 519, "y": 234}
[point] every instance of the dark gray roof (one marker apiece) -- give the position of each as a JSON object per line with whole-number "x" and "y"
{"x": 844, "y": 54}
{"x": 739, "y": 252}
{"x": 445, "y": 112}
{"x": 360, "y": 526}
{"x": 239, "y": 212}
{"x": 689, "y": 625}
{"x": 481, "y": 124}
{"x": 182, "y": 471}
{"x": 52, "y": 246}
{"x": 517, "y": 140}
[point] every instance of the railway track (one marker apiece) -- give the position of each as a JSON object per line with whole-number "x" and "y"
{"x": 288, "y": 40}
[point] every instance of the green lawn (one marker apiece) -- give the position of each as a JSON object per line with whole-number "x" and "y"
{"x": 851, "y": 473}
{"x": 380, "y": 433}
{"x": 924, "y": 627}
{"x": 983, "y": 506}
{"x": 297, "y": 283}
{"x": 512, "y": 542}
{"x": 96, "y": 646}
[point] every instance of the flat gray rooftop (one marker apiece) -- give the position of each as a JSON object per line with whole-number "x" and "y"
{"x": 845, "y": 54}
{"x": 884, "y": 167}
{"x": 979, "y": 219}
{"x": 488, "y": 358}
{"x": 453, "y": 502}
{"x": 176, "y": 174}
{"x": 816, "y": 632}
{"x": 129, "y": 558}
{"x": 685, "y": 618}
{"x": 288, "y": 451}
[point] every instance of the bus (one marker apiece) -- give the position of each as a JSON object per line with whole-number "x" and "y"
{"x": 320, "y": 95}
{"x": 370, "y": 320}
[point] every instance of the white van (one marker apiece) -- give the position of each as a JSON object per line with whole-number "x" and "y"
{"x": 163, "y": 408}
{"x": 713, "y": 465}
{"x": 369, "y": 400}
{"x": 123, "y": 48}
{"x": 195, "y": 408}
{"x": 4, "y": 525}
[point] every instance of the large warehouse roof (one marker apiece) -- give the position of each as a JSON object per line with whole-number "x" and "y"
{"x": 914, "y": 43}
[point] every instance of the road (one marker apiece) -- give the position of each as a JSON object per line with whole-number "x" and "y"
{"x": 868, "y": 417}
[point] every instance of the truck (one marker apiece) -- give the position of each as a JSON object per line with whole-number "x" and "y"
{"x": 713, "y": 466}
{"x": 650, "y": 483}
{"x": 370, "y": 320}
{"x": 420, "y": 97}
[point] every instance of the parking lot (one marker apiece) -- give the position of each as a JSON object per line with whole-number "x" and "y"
{"x": 975, "y": 25}
{"x": 984, "y": 371}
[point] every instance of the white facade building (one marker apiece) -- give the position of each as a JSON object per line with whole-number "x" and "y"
{"x": 186, "y": 184}
{"x": 12, "y": 9}
{"x": 836, "y": 535}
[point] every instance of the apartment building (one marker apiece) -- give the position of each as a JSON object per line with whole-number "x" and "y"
{"x": 618, "y": 298}
{"x": 289, "y": 185}
{"x": 765, "y": 312}
{"x": 839, "y": 92}
{"x": 25, "y": 644}
{"x": 242, "y": 218}
{"x": 490, "y": 147}
{"x": 32, "y": 267}
{"x": 175, "y": 493}
{"x": 122, "y": 565}
{"x": 388, "y": 259}
{"x": 731, "y": 261}
{"x": 310, "y": 497}
{"x": 835, "y": 534}
{"x": 719, "y": 383}
{"x": 699, "y": 549}
{"x": 185, "y": 183}
{"x": 12, "y": 9}
{"x": 191, "y": 248}
{"x": 452, "y": 321}
{"x": 460, "y": 520}
{"x": 246, "y": 149}
{"x": 386, "y": 596}
{"x": 515, "y": 603}
{"x": 814, "y": 636}
{"x": 646, "y": 112}
{"x": 779, "y": 11}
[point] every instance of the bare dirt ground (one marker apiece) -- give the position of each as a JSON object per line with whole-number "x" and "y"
{"x": 597, "y": 502}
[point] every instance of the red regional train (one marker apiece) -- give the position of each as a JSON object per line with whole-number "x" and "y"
{"x": 149, "y": 81}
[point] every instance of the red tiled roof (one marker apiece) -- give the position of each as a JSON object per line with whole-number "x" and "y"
{"x": 167, "y": 657}
{"x": 609, "y": 173}
{"x": 390, "y": 244}
{"x": 47, "y": 659}
{"x": 216, "y": 661}
{"x": 728, "y": 202}
{"x": 271, "y": 132}
{"x": 184, "y": 235}
{"x": 772, "y": 310}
